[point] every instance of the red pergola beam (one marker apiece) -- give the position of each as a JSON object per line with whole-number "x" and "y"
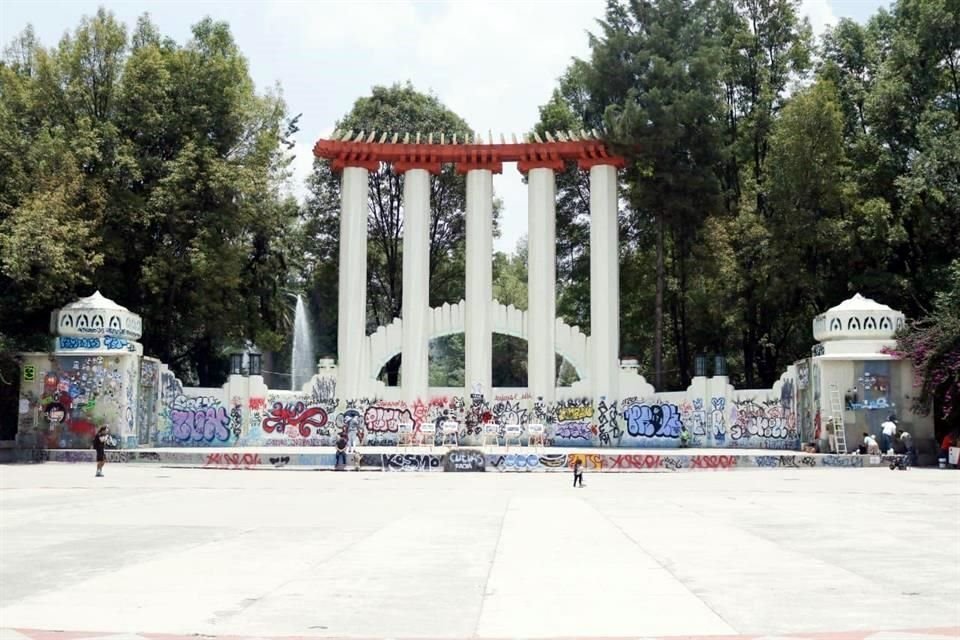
{"x": 530, "y": 155}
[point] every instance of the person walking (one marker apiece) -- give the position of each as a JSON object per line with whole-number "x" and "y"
{"x": 99, "y": 445}
{"x": 578, "y": 472}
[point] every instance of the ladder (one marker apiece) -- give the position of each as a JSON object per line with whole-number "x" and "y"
{"x": 836, "y": 416}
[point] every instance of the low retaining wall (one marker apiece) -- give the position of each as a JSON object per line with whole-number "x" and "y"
{"x": 463, "y": 460}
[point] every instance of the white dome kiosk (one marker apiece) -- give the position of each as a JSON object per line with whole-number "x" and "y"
{"x": 96, "y": 324}
{"x": 91, "y": 378}
{"x": 853, "y": 376}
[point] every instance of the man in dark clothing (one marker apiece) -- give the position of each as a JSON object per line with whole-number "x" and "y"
{"x": 99, "y": 444}
{"x": 341, "y": 457}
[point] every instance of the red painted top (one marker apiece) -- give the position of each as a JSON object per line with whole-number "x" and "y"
{"x": 528, "y": 155}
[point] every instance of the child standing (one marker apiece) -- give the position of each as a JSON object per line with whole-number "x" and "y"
{"x": 578, "y": 473}
{"x": 99, "y": 444}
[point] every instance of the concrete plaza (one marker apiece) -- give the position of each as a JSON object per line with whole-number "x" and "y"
{"x": 300, "y": 553}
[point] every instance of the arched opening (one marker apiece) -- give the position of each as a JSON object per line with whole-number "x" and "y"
{"x": 447, "y": 362}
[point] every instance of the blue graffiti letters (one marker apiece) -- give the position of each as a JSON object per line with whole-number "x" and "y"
{"x": 69, "y": 342}
{"x": 653, "y": 421}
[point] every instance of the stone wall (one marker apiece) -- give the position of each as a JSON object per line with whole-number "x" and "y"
{"x": 245, "y": 413}
{"x": 143, "y": 404}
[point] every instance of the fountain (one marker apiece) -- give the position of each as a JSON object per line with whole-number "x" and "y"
{"x": 302, "y": 358}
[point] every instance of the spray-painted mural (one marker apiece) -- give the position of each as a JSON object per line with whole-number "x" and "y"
{"x": 188, "y": 417}
{"x": 766, "y": 424}
{"x": 76, "y": 395}
{"x": 144, "y": 404}
{"x": 147, "y": 398}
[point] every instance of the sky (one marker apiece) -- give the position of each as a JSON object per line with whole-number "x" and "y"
{"x": 493, "y": 62}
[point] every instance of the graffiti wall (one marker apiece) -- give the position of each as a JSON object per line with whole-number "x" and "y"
{"x": 469, "y": 461}
{"x": 763, "y": 424}
{"x": 67, "y": 398}
{"x": 148, "y": 396}
{"x": 144, "y": 404}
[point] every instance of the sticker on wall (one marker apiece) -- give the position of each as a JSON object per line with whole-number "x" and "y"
{"x": 24, "y": 406}
{"x": 55, "y": 412}
{"x": 29, "y": 373}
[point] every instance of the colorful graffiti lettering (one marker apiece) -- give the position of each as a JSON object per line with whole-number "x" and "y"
{"x": 574, "y": 431}
{"x": 302, "y": 418}
{"x": 636, "y": 462}
{"x": 587, "y": 460}
{"x": 199, "y": 420}
{"x": 232, "y": 460}
{"x": 114, "y": 343}
{"x": 750, "y": 419}
{"x": 653, "y": 421}
{"x": 713, "y": 462}
{"x": 574, "y": 409}
{"x": 515, "y": 462}
{"x": 381, "y": 419}
{"x": 70, "y": 342}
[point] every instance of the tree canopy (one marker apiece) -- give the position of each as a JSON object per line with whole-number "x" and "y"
{"x": 151, "y": 171}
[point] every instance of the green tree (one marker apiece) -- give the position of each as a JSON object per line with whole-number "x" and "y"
{"x": 792, "y": 258}
{"x": 899, "y": 82}
{"x": 151, "y": 171}
{"x": 655, "y": 67}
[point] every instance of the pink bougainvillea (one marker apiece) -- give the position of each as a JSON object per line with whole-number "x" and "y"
{"x": 933, "y": 345}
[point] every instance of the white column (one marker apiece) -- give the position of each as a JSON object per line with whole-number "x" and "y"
{"x": 604, "y": 283}
{"x": 541, "y": 284}
{"x": 352, "y": 296}
{"x": 478, "y": 334}
{"x": 414, "y": 364}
